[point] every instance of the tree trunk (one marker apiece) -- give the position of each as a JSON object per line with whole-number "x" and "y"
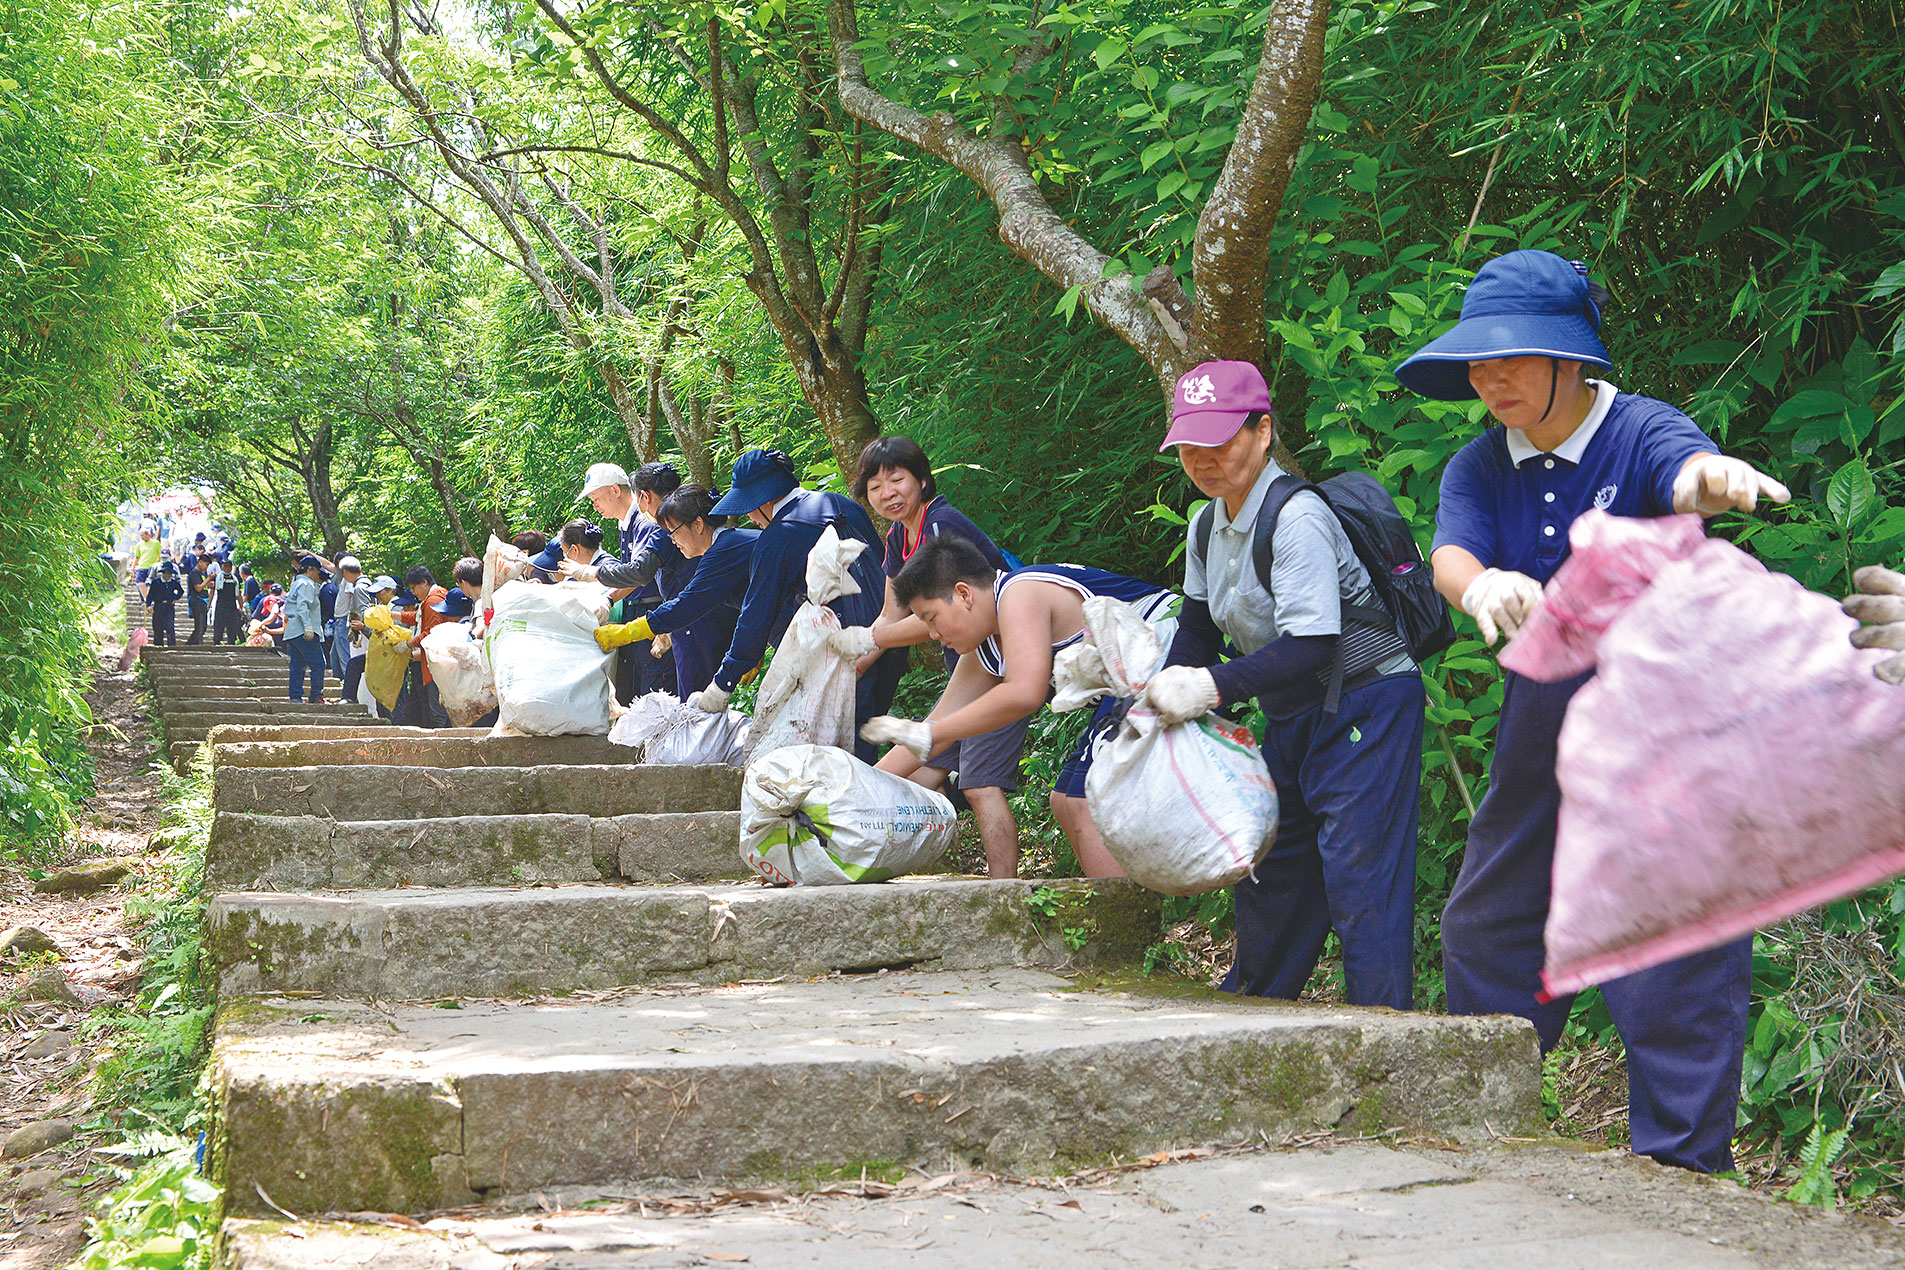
{"x": 441, "y": 485}
{"x": 1170, "y": 330}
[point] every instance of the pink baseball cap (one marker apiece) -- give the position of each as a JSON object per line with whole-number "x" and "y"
{"x": 1212, "y": 401}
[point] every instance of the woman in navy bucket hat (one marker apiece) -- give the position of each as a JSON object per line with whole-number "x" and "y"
{"x": 791, "y": 520}
{"x": 1529, "y": 332}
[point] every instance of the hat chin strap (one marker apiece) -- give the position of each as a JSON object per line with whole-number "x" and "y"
{"x": 1554, "y": 379}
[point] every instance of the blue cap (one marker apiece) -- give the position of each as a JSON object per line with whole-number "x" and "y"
{"x": 405, "y": 600}
{"x": 454, "y": 604}
{"x": 312, "y": 562}
{"x": 547, "y": 559}
{"x": 760, "y": 476}
{"x": 1522, "y": 304}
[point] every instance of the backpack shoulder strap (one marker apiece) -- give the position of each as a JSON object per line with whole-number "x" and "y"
{"x": 1281, "y": 491}
{"x": 1200, "y": 531}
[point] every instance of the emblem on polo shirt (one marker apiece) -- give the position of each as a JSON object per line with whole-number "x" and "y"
{"x": 1604, "y": 497}
{"x": 1199, "y": 391}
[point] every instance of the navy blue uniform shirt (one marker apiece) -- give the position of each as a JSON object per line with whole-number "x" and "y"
{"x": 719, "y": 581}
{"x": 636, "y": 535}
{"x": 1510, "y": 506}
{"x": 779, "y": 584}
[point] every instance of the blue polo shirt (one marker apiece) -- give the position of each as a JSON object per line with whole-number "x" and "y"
{"x": 1510, "y": 505}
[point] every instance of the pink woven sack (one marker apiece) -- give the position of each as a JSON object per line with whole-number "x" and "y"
{"x": 1733, "y": 762}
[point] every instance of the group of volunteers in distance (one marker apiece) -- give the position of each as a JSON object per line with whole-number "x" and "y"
{"x": 1276, "y": 607}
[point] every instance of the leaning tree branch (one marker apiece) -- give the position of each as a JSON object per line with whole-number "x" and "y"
{"x": 1028, "y": 225}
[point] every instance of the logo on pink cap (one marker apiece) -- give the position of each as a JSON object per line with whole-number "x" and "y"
{"x": 1212, "y": 402}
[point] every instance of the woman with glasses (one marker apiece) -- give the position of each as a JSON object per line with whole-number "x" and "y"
{"x": 700, "y": 620}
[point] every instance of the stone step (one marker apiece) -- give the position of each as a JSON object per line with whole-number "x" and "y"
{"x": 332, "y": 1106}
{"x": 345, "y": 726}
{"x": 270, "y": 688}
{"x": 372, "y": 792}
{"x": 1329, "y": 1203}
{"x": 278, "y": 706}
{"x": 251, "y": 732}
{"x": 195, "y": 725}
{"x": 278, "y": 709}
{"x": 433, "y": 751}
{"x": 251, "y": 852}
{"x": 413, "y": 944}
{"x": 208, "y": 654}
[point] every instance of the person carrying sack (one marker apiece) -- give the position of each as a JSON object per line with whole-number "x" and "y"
{"x": 791, "y": 519}
{"x": 1341, "y": 695}
{"x": 1528, "y": 333}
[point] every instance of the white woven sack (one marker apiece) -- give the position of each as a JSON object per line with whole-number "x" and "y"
{"x": 1184, "y": 809}
{"x": 813, "y": 815}
{"x": 551, "y": 679}
{"x": 670, "y": 731}
{"x": 807, "y": 694}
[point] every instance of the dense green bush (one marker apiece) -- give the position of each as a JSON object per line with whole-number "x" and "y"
{"x": 90, "y": 236}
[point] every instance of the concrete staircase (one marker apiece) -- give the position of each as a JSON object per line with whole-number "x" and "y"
{"x": 454, "y": 968}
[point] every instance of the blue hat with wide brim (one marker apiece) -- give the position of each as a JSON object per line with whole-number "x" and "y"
{"x": 1522, "y": 304}
{"x": 547, "y": 559}
{"x": 760, "y": 476}
{"x": 454, "y": 604}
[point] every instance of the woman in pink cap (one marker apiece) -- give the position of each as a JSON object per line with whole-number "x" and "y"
{"x": 1348, "y": 769}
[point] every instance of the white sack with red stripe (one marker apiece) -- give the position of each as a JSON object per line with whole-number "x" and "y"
{"x": 1732, "y": 762}
{"x": 1185, "y": 809}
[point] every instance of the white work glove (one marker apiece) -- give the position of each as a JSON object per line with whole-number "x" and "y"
{"x": 1881, "y": 605}
{"x": 713, "y": 699}
{"x": 852, "y": 642}
{"x": 570, "y": 570}
{"x": 1500, "y": 600}
{"x": 1179, "y": 693}
{"x": 1713, "y": 483}
{"x": 887, "y": 729}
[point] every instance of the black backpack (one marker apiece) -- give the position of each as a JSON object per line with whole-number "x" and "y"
{"x": 1377, "y": 532}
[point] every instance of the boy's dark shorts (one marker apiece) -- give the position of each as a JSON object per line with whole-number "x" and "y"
{"x": 989, "y": 760}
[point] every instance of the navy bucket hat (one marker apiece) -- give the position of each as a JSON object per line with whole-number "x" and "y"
{"x": 1522, "y": 304}
{"x": 760, "y": 476}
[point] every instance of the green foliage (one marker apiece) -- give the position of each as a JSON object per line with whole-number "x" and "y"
{"x": 164, "y": 1212}
{"x": 91, "y": 242}
{"x": 158, "y": 1043}
{"x": 163, "y": 1216}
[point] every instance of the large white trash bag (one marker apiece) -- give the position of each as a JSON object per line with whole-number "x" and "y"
{"x": 550, "y": 677}
{"x": 670, "y": 731}
{"x": 1185, "y": 809}
{"x": 461, "y": 674}
{"x": 502, "y": 564}
{"x": 813, "y": 815}
{"x": 806, "y": 696}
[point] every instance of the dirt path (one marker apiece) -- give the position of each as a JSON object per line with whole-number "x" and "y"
{"x": 45, "y": 1061}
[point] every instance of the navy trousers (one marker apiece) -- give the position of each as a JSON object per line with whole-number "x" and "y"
{"x": 307, "y": 659}
{"x": 1348, "y": 788}
{"x": 1683, "y": 1023}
